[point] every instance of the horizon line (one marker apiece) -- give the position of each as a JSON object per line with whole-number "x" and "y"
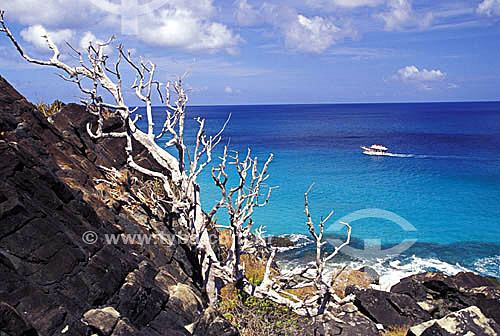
{"x": 350, "y": 103}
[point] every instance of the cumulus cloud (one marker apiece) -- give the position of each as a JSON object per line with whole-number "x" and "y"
{"x": 489, "y": 7}
{"x": 314, "y": 34}
{"x": 188, "y": 25}
{"x": 300, "y": 32}
{"x": 183, "y": 24}
{"x": 399, "y": 13}
{"x": 245, "y": 14}
{"x": 35, "y": 35}
{"x": 52, "y": 13}
{"x": 88, "y": 38}
{"x": 411, "y": 72}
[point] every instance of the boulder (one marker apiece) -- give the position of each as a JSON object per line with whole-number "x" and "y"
{"x": 488, "y": 300}
{"x": 139, "y": 299}
{"x": 103, "y": 319}
{"x": 277, "y": 241}
{"x": 12, "y": 323}
{"x": 421, "y": 286}
{"x": 388, "y": 309}
{"x": 370, "y": 273}
{"x": 348, "y": 324}
{"x": 440, "y": 294}
{"x": 183, "y": 299}
{"x": 466, "y": 322}
{"x": 212, "y": 324}
{"x": 123, "y": 328}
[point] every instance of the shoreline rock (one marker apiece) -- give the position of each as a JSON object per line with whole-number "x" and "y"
{"x": 278, "y": 241}
{"x": 465, "y": 322}
{"x": 434, "y": 299}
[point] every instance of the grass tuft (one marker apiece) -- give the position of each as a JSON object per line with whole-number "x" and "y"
{"x": 396, "y": 331}
{"x": 49, "y": 109}
{"x": 351, "y": 278}
{"x": 259, "y": 317}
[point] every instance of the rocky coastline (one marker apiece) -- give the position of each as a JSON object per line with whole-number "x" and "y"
{"x": 54, "y": 283}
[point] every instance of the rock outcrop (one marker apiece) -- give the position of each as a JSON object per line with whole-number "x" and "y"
{"x": 440, "y": 294}
{"x": 434, "y": 304}
{"x": 466, "y": 322}
{"x": 389, "y": 309}
{"x": 51, "y": 281}
{"x": 348, "y": 322}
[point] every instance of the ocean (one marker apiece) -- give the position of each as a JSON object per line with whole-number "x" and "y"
{"x": 441, "y": 193}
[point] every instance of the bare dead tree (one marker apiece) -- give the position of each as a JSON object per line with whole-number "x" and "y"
{"x": 94, "y": 74}
{"x": 240, "y": 202}
{"x": 312, "y": 275}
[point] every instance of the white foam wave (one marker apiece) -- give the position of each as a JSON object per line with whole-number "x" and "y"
{"x": 489, "y": 266}
{"x": 396, "y": 270}
{"x": 392, "y": 270}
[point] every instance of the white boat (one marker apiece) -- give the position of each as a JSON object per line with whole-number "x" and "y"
{"x": 376, "y": 150}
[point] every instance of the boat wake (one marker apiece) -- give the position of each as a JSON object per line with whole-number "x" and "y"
{"x": 390, "y": 154}
{"x": 379, "y": 150}
{"x": 454, "y": 157}
{"x": 432, "y": 157}
{"x": 403, "y": 155}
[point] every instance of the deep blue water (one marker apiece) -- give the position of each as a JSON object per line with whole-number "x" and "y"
{"x": 448, "y": 188}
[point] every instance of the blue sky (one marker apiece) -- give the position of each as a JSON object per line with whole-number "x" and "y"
{"x": 276, "y": 51}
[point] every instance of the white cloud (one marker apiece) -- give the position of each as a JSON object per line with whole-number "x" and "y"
{"x": 188, "y": 25}
{"x": 188, "y": 32}
{"x": 399, "y": 13}
{"x": 86, "y": 39}
{"x": 89, "y": 37}
{"x": 489, "y": 7}
{"x": 308, "y": 34}
{"x": 314, "y": 34}
{"x": 245, "y": 14}
{"x": 52, "y": 13}
{"x": 412, "y": 73}
{"x": 183, "y": 24}
{"x": 35, "y": 35}
{"x": 228, "y": 90}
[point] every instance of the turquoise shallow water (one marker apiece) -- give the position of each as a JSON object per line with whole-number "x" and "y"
{"x": 448, "y": 186}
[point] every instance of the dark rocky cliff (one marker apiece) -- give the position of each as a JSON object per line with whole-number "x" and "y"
{"x": 51, "y": 281}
